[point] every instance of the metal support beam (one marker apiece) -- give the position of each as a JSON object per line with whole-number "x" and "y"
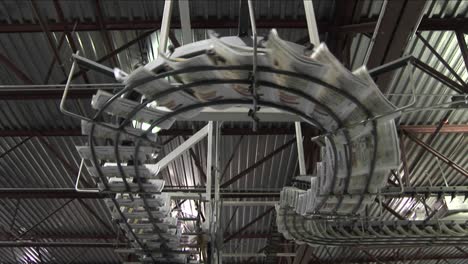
{"x": 242, "y": 229}
{"x": 437, "y": 154}
{"x": 45, "y": 218}
{"x": 197, "y": 164}
{"x": 184, "y": 14}
{"x": 463, "y": 47}
{"x": 429, "y": 141}
{"x": 17, "y": 71}
{"x": 311, "y": 149}
{"x": 300, "y": 147}
{"x": 370, "y": 255}
{"x": 257, "y": 255}
{"x": 202, "y": 133}
{"x": 97, "y": 216}
{"x": 234, "y": 152}
{"x": 300, "y": 252}
{"x": 441, "y": 59}
{"x": 63, "y": 236}
{"x": 400, "y": 20}
{"x": 104, "y": 33}
{"x": 217, "y": 231}
{"x": 439, "y": 76}
{"x": 248, "y": 235}
{"x": 3, "y": 154}
{"x": 463, "y": 251}
{"x": 170, "y": 132}
{"x": 407, "y": 172}
{"x": 115, "y": 52}
{"x": 71, "y": 40}
{"x": 243, "y": 24}
{"x": 209, "y": 178}
{"x": 165, "y": 25}
{"x": 54, "y": 60}
{"x": 258, "y": 163}
{"x": 48, "y": 193}
{"x": 388, "y": 208}
{"x": 174, "y": 41}
{"x": 48, "y": 34}
{"x": 346, "y": 12}
{"x": 390, "y": 258}
{"x": 427, "y": 129}
{"x": 67, "y": 165}
{"x": 311, "y": 22}
{"x": 28, "y": 244}
{"x": 310, "y": 256}
{"x": 427, "y": 24}
{"x": 419, "y": 129}
{"x": 64, "y": 193}
{"x": 250, "y": 203}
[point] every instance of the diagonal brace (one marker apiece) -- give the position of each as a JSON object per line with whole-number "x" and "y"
{"x": 438, "y": 155}
{"x": 202, "y": 133}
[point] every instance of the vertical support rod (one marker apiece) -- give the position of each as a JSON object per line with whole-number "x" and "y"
{"x": 184, "y": 12}
{"x": 254, "y": 67}
{"x": 311, "y": 22}
{"x": 300, "y": 148}
{"x": 209, "y": 165}
{"x": 217, "y": 197}
{"x": 165, "y": 25}
{"x": 376, "y": 32}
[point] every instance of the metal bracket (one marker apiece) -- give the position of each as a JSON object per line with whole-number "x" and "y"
{"x": 183, "y": 147}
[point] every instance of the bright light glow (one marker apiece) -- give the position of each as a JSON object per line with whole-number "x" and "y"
{"x": 145, "y": 126}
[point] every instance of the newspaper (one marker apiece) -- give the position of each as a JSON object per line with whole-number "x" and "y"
{"x": 361, "y": 150}
{"x": 122, "y": 107}
{"x": 145, "y": 153}
{"x": 338, "y": 76}
{"x": 173, "y": 101}
{"x": 284, "y": 58}
{"x": 371, "y": 96}
{"x": 157, "y": 200}
{"x": 202, "y": 54}
{"x": 145, "y": 171}
{"x": 117, "y": 185}
{"x": 232, "y": 51}
{"x": 107, "y": 133}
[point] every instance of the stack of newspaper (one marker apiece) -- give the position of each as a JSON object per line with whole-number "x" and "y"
{"x": 356, "y": 159}
{"x": 157, "y": 231}
{"x": 139, "y": 206}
